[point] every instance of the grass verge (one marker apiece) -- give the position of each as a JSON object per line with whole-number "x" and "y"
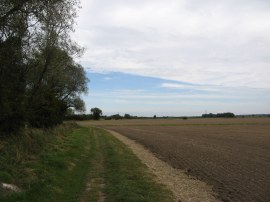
{"x": 127, "y": 179}
{"x": 87, "y": 164}
{"x": 47, "y": 166}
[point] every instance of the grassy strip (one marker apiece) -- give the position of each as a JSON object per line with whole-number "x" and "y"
{"x": 55, "y": 172}
{"x": 127, "y": 179}
{"x": 87, "y": 164}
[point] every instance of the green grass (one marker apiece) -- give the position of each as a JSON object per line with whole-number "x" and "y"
{"x": 56, "y": 172}
{"x": 87, "y": 164}
{"x": 126, "y": 177}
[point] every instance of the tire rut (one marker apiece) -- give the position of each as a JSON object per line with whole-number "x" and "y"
{"x": 95, "y": 183}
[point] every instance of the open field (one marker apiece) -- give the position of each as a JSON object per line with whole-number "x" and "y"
{"x": 168, "y": 122}
{"x": 232, "y": 155}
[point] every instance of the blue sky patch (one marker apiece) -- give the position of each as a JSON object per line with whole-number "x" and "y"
{"x": 147, "y": 96}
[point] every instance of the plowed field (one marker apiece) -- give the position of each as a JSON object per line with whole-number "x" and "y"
{"x": 232, "y": 155}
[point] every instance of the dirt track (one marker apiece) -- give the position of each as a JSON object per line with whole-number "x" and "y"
{"x": 234, "y": 158}
{"x": 183, "y": 187}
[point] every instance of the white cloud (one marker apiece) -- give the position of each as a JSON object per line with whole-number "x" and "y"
{"x": 223, "y": 42}
{"x": 107, "y": 78}
{"x": 190, "y": 87}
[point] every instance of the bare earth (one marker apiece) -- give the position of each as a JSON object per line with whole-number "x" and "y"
{"x": 232, "y": 155}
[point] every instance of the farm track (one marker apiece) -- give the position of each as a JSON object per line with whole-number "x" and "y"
{"x": 183, "y": 187}
{"x": 95, "y": 182}
{"x": 234, "y": 159}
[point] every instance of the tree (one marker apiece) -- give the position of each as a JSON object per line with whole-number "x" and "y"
{"x": 219, "y": 115}
{"x": 116, "y": 116}
{"x": 210, "y": 115}
{"x": 12, "y": 68}
{"x": 96, "y": 112}
{"x": 41, "y": 81}
{"x": 12, "y": 85}
{"x": 62, "y": 82}
{"x": 127, "y": 116}
{"x": 226, "y": 115}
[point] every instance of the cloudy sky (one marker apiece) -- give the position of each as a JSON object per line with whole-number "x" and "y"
{"x": 176, "y": 57}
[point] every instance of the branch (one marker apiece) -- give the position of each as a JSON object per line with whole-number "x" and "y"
{"x": 11, "y": 11}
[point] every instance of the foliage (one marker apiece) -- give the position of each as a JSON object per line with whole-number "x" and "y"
{"x": 79, "y": 117}
{"x": 226, "y": 115}
{"x": 210, "y": 115}
{"x": 12, "y": 85}
{"x": 219, "y": 115}
{"x": 41, "y": 80}
{"x": 127, "y": 116}
{"x": 96, "y": 113}
{"x": 116, "y": 116}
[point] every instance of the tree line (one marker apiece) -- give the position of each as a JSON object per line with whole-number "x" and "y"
{"x": 39, "y": 78}
{"x": 96, "y": 114}
{"x": 219, "y": 115}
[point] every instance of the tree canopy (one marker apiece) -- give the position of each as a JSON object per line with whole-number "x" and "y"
{"x": 39, "y": 78}
{"x": 219, "y": 115}
{"x": 96, "y": 113}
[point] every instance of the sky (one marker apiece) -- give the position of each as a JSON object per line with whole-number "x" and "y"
{"x": 176, "y": 57}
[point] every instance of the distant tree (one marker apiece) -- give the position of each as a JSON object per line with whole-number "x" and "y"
{"x": 127, "y": 116}
{"x": 96, "y": 112}
{"x": 107, "y": 118}
{"x": 155, "y": 117}
{"x": 226, "y": 115}
{"x": 219, "y": 115}
{"x": 116, "y": 116}
{"x": 210, "y": 115}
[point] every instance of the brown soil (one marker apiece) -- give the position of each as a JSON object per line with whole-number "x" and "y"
{"x": 234, "y": 158}
{"x": 189, "y": 121}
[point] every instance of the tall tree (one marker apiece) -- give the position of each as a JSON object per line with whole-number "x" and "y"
{"x": 62, "y": 84}
{"x": 13, "y": 29}
{"x": 12, "y": 85}
{"x": 41, "y": 80}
